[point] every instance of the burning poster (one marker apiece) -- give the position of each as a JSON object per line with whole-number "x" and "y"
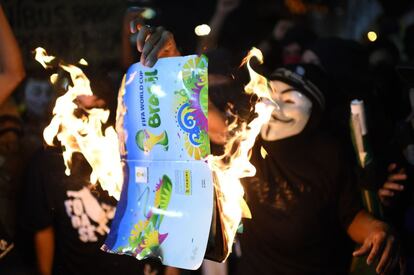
{"x": 166, "y": 202}
{"x": 159, "y": 157}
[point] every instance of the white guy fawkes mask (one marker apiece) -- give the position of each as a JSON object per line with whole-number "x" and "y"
{"x": 291, "y": 118}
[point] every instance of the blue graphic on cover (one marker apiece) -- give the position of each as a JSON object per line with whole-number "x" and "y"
{"x": 166, "y": 203}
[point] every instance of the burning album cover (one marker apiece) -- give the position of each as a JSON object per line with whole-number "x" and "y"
{"x": 162, "y": 128}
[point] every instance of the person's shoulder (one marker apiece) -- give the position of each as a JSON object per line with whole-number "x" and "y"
{"x": 47, "y": 157}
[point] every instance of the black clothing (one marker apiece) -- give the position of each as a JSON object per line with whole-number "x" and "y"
{"x": 303, "y": 196}
{"x": 79, "y": 214}
{"x": 302, "y": 200}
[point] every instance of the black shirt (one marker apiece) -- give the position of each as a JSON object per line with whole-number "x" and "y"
{"x": 305, "y": 234}
{"x": 80, "y": 215}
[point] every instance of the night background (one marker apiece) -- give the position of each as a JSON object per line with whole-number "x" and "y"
{"x": 354, "y": 49}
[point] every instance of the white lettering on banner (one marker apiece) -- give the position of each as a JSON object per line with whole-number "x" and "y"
{"x": 87, "y": 215}
{"x": 141, "y": 99}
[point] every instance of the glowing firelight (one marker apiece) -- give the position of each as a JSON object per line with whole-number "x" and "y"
{"x": 42, "y": 57}
{"x": 83, "y": 62}
{"x": 372, "y": 36}
{"x": 84, "y": 134}
{"x": 234, "y": 165}
{"x": 202, "y": 30}
{"x": 259, "y": 85}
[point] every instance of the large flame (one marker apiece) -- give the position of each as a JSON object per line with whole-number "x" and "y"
{"x": 258, "y": 84}
{"x": 83, "y": 133}
{"x": 234, "y": 164}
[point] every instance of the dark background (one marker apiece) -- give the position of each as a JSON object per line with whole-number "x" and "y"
{"x": 91, "y": 29}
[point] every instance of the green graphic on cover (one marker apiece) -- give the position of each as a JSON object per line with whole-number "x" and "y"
{"x": 167, "y": 110}
{"x": 192, "y": 113}
{"x": 147, "y": 140}
{"x": 166, "y": 204}
{"x": 145, "y": 238}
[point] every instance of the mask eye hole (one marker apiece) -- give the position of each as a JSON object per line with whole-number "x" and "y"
{"x": 288, "y": 98}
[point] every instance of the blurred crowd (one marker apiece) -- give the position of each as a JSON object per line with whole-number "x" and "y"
{"x": 51, "y": 223}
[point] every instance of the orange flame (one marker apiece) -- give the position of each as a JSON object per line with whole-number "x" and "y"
{"x": 234, "y": 164}
{"x": 120, "y": 115}
{"x": 42, "y": 57}
{"x": 84, "y": 134}
{"x": 258, "y": 84}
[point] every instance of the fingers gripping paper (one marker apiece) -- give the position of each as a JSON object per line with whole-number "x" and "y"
{"x": 166, "y": 203}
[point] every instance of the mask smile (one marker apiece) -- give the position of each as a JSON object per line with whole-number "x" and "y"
{"x": 275, "y": 118}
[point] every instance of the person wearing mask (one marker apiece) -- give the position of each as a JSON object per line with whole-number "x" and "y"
{"x": 310, "y": 202}
{"x": 304, "y": 198}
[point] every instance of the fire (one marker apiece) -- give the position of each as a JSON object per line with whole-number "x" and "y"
{"x": 258, "y": 84}
{"x": 83, "y": 133}
{"x": 42, "y": 57}
{"x": 234, "y": 164}
{"x": 120, "y": 114}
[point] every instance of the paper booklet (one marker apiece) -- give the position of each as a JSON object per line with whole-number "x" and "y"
{"x": 166, "y": 205}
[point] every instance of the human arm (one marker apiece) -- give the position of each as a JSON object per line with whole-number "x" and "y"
{"x": 377, "y": 239}
{"x": 160, "y": 43}
{"x": 11, "y": 63}
{"x": 36, "y": 217}
{"x": 45, "y": 246}
{"x": 223, "y": 9}
{"x": 132, "y": 16}
{"x": 154, "y": 43}
{"x": 278, "y": 33}
{"x": 169, "y": 270}
{"x": 392, "y": 185}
